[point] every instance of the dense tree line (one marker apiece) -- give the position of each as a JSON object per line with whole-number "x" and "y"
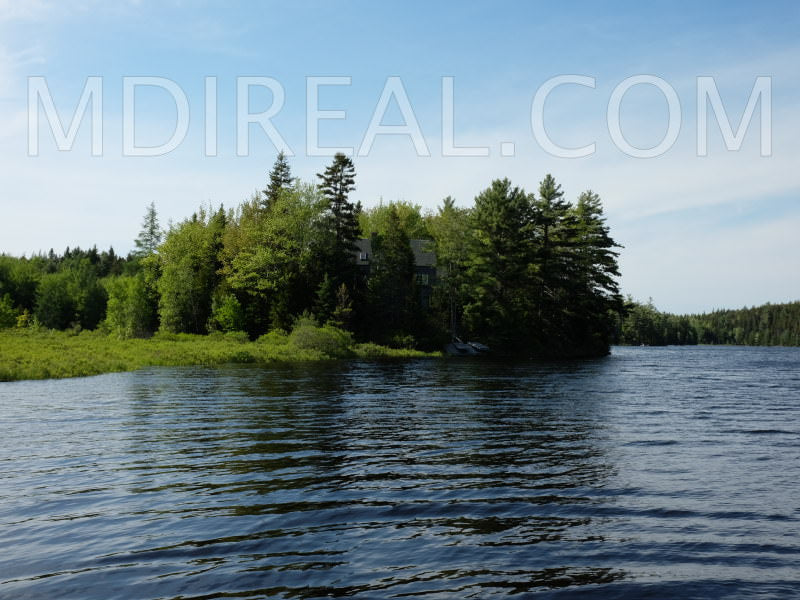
{"x": 527, "y": 273}
{"x": 644, "y": 325}
{"x": 767, "y": 325}
{"x": 540, "y": 273}
{"x": 58, "y": 291}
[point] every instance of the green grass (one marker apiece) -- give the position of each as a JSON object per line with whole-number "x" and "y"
{"x": 32, "y": 354}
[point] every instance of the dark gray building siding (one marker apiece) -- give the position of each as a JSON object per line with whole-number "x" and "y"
{"x": 424, "y": 265}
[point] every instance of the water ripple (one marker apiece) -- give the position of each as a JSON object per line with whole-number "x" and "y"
{"x": 652, "y": 473}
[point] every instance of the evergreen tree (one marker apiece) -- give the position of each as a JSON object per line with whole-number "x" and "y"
{"x": 501, "y": 301}
{"x": 392, "y": 293}
{"x": 109, "y": 263}
{"x": 550, "y": 213}
{"x": 450, "y": 230}
{"x": 280, "y": 178}
{"x": 151, "y": 234}
{"x": 541, "y": 276}
{"x": 767, "y": 325}
{"x": 325, "y": 304}
{"x": 341, "y": 218}
{"x": 590, "y": 296}
{"x": 595, "y": 249}
{"x": 343, "y": 313}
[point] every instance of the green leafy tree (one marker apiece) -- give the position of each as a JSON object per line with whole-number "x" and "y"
{"x": 19, "y": 277}
{"x": 71, "y": 297}
{"x": 55, "y": 307}
{"x": 130, "y": 308}
{"x": 8, "y": 314}
{"x": 270, "y": 258}
{"x": 409, "y": 216}
{"x": 88, "y": 294}
{"x": 227, "y": 313}
{"x": 189, "y": 260}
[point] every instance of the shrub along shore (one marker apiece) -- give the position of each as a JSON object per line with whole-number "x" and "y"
{"x": 48, "y": 354}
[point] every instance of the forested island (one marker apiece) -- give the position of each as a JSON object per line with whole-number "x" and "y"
{"x": 767, "y": 325}
{"x": 531, "y": 275}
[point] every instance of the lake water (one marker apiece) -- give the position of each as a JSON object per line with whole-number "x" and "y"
{"x": 655, "y": 472}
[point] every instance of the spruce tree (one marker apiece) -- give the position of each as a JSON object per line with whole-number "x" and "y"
{"x": 280, "y": 178}
{"x": 337, "y": 183}
{"x": 341, "y": 219}
{"x": 450, "y": 229}
{"x": 325, "y": 302}
{"x": 151, "y": 234}
{"x": 392, "y": 293}
{"x": 343, "y": 313}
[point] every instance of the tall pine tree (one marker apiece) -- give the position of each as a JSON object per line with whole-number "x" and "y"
{"x": 341, "y": 219}
{"x": 551, "y": 216}
{"x": 280, "y": 178}
{"x": 590, "y": 292}
{"x": 500, "y": 304}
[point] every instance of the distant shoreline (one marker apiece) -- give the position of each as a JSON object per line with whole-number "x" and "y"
{"x": 36, "y": 355}
{"x": 29, "y": 355}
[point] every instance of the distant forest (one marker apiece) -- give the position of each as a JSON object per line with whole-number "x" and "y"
{"x": 530, "y": 274}
{"x": 767, "y": 325}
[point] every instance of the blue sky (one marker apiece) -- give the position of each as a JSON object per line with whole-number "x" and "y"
{"x": 698, "y": 232}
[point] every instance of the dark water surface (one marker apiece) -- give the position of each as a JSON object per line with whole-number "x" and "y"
{"x": 663, "y": 473}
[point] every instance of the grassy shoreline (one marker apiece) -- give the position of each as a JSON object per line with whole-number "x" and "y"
{"x": 29, "y": 354}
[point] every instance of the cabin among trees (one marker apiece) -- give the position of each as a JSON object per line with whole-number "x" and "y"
{"x": 424, "y": 266}
{"x": 529, "y": 274}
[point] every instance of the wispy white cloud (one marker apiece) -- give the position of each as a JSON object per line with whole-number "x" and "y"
{"x": 16, "y": 10}
{"x": 13, "y": 68}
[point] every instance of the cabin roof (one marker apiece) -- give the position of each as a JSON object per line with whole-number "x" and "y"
{"x": 424, "y": 255}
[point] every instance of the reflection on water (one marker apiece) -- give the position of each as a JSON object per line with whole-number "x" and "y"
{"x": 654, "y": 472}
